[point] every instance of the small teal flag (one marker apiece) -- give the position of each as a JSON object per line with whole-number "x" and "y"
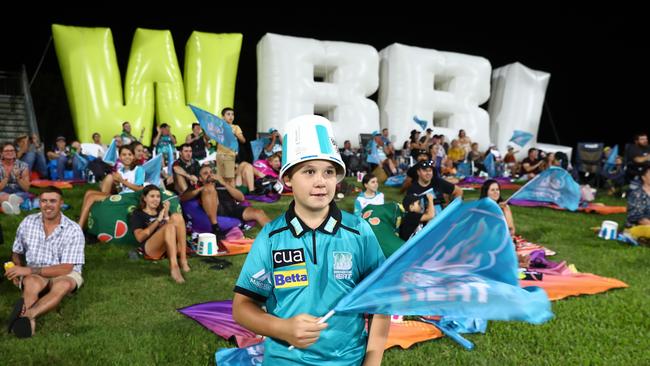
{"x": 152, "y": 168}
{"x": 553, "y": 185}
{"x": 490, "y": 167}
{"x": 611, "y": 159}
{"x": 216, "y": 128}
{"x": 421, "y": 122}
{"x": 462, "y": 264}
{"x": 258, "y": 145}
{"x": 521, "y": 138}
{"x": 110, "y": 157}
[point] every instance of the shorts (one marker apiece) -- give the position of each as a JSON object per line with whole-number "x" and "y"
{"x": 226, "y": 165}
{"x": 75, "y": 276}
{"x": 235, "y": 211}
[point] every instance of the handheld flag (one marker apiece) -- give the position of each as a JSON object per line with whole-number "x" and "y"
{"x": 421, "y": 122}
{"x": 553, "y": 185}
{"x": 110, "y": 157}
{"x": 152, "y": 169}
{"x": 258, "y": 145}
{"x": 462, "y": 264}
{"x": 216, "y": 128}
{"x": 521, "y": 138}
{"x": 611, "y": 159}
{"x": 488, "y": 162}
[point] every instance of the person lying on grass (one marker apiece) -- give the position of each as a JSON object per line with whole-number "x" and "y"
{"x": 160, "y": 233}
{"x": 48, "y": 255}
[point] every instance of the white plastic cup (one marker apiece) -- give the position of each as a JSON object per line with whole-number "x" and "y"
{"x": 207, "y": 244}
{"x": 608, "y": 230}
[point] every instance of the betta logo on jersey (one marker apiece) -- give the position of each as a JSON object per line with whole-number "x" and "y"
{"x": 293, "y": 278}
{"x": 288, "y": 257}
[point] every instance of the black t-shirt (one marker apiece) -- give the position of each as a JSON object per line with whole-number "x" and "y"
{"x": 141, "y": 220}
{"x": 227, "y": 204}
{"x": 410, "y": 223}
{"x": 636, "y": 151}
{"x": 439, "y": 186}
{"x": 198, "y": 148}
{"x": 531, "y": 163}
{"x": 191, "y": 168}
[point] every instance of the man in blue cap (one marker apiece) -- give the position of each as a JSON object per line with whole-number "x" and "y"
{"x": 274, "y": 145}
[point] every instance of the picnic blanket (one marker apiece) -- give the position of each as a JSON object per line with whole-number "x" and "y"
{"x": 477, "y": 183}
{"x": 42, "y": 183}
{"x": 590, "y": 207}
{"x": 573, "y": 284}
{"x": 237, "y": 246}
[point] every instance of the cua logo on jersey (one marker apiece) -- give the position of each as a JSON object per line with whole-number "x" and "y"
{"x": 293, "y": 278}
{"x": 288, "y": 257}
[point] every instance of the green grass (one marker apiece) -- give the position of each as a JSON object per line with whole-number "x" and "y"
{"x": 125, "y": 313}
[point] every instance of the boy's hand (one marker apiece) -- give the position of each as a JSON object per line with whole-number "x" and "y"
{"x": 302, "y": 330}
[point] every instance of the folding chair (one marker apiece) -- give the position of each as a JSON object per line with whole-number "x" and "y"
{"x": 589, "y": 161}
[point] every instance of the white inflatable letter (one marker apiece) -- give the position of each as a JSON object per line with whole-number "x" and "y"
{"x": 444, "y": 89}
{"x": 299, "y": 76}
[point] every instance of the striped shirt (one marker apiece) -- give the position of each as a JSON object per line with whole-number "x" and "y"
{"x": 65, "y": 245}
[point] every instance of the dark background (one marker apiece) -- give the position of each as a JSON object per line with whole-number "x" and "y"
{"x": 597, "y": 90}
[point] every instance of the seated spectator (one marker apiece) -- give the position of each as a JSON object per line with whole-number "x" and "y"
{"x": 350, "y": 158}
{"x": 128, "y": 178}
{"x": 415, "y": 218}
{"x": 48, "y": 254}
{"x": 138, "y": 152}
{"x": 274, "y": 145}
{"x": 638, "y": 207}
{"x": 159, "y": 233}
{"x": 198, "y": 140}
{"x": 388, "y": 145}
{"x": 531, "y": 166}
{"x": 63, "y": 156}
{"x": 370, "y": 196}
{"x": 464, "y": 141}
{"x": 492, "y": 189}
{"x": 14, "y": 180}
{"x": 268, "y": 167}
{"x": 639, "y": 154}
{"x": 614, "y": 177}
{"x": 412, "y": 172}
{"x": 456, "y": 152}
{"x": 164, "y": 140}
{"x": 229, "y": 198}
{"x": 126, "y": 137}
{"x": 97, "y": 140}
{"x": 510, "y": 161}
{"x": 30, "y": 151}
{"x": 245, "y": 176}
{"x": 429, "y": 182}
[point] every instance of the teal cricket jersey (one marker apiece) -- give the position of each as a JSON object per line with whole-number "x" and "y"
{"x": 293, "y": 269}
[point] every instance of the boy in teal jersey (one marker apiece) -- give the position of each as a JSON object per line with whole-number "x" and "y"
{"x": 306, "y": 260}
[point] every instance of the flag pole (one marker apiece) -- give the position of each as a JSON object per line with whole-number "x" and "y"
{"x": 522, "y": 187}
{"x": 321, "y": 321}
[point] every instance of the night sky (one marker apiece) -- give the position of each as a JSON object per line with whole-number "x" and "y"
{"x": 597, "y": 92}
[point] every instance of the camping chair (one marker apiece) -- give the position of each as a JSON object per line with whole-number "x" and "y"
{"x": 589, "y": 161}
{"x": 364, "y": 139}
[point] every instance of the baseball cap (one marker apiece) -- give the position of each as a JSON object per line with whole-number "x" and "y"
{"x": 60, "y": 138}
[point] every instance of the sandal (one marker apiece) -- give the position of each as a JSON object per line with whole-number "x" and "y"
{"x": 22, "y": 328}
{"x": 15, "y": 313}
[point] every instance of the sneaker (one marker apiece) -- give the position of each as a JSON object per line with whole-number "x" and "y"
{"x": 9, "y": 209}
{"x": 15, "y": 200}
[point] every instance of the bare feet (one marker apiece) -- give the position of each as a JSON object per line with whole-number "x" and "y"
{"x": 176, "y": 275}
{"x": 185, "y": 266}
